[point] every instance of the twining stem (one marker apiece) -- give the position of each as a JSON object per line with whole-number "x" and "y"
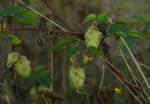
{"x": 135, "y": 61}
{"x": 102, "y": 79}
{"x": 128, "y": 66}
{"x": 124, "y": 83}
{"x": 119, "y": 75}
{"x": 132, "y": 73}
{"x": 51, "y": 65}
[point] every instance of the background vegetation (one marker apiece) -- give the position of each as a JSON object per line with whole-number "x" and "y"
{"x": 54, "y": 42}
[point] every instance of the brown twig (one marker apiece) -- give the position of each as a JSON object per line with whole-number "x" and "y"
{"x": 120, "y": 76}
{"x": 77, "y": 34}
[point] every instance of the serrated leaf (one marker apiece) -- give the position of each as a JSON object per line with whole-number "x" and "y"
{"x": 90, "y": 18}
{"x": 27, "y": 17}
{"x": 15, "y": 40}
{"x": 118, "y": 30}
{"x": 21, "y": 15}
{"x": 103, "y": 18}
{"x": 122, "y": 30}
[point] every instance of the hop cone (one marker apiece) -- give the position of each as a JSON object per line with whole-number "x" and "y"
{"x": 12, "y": 58}
{"x": 22, "y": 67}
{"x": 77, "y": 78}
{"x": 93, "y": 38}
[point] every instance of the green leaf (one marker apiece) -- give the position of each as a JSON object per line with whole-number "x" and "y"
{"x": 122, "y": 30}
{"x": 21, "y": 15}
{"x": 118, "y": 30}
{"x": 135, "y": 19}
{"x": 95, "y": 51}
{"x": 15, "y": 40}
{"x": 135, "y": 34}
{"x": 11, "y": 11}
{"x": 41, "y": 74}
{"x": 146, "y": 19}
{"x": 61, "y": 43}
{"x": 27, "y": 17}
{"x": 90, "y": 18}
{"x": 103, "y": 18}
{"x": 73, "y": 51}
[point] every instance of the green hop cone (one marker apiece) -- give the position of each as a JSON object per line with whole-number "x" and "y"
{"x": 34, "y": 93}
{"x": 36, "y": 96}
{"x": 77, "y": 78}
{"x": 22, "y": 67}
{"x": 12, "y": 58}
{"x": 90, "y": 18}
{"x": 43, "y": 89}
{"x": 93, "y": 38}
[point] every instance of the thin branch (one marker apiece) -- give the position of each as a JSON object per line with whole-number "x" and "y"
{"x": 120, "y": 76}
{"x": 77, "y": 34}
{"x": 102, "y": 79}
{"x": 135, "y": 61}
{"x": 132, "y": 74}
{"x": 42, "y": 15}
{"x": 129, "y": 68}
{"x": 126, "y": 85}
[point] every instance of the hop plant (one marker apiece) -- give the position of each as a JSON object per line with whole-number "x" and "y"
{"x": 93, "y": 38}
{"x": 118, "y": 90}
{"x": 12, "y": 58}
{"x": 77, "y": 78}
{"x": 34, "y": 93}
{"x": 87, "y": 59}
{"x": 22, "y": 67}
{"x": 40, "y": 94}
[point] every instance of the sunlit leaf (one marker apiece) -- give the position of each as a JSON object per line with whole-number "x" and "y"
{"x": 15, "y": 40}
{"x": 103, "y": 18}
{"x": 27, "y": 17}
{"x": 134, "y": 34}
{"x": 90, "y": 18}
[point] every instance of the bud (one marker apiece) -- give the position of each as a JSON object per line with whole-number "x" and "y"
{"x": 87, "y": 59}
{"x": 34, "y": 94}
{"x": 22, "y": 67}
{"x": 118, "y": 90}
{"x": 77, "y": 78}
{"x": 93, "y": 38}
{"x": 43, "y": 89}
{"x": 12, "y": 58}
